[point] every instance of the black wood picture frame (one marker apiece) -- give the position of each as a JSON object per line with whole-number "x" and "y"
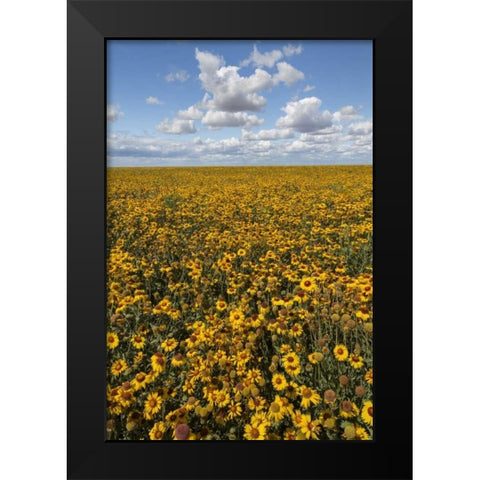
{"x": 90, "y": 23}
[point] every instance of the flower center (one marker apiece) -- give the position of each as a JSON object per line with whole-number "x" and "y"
{"x": 275, "y": 407}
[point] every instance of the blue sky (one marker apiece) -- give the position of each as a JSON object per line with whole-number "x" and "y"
{"x": 241, "y": 102}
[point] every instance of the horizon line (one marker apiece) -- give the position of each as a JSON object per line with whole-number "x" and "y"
{"x": 243, "y": 166}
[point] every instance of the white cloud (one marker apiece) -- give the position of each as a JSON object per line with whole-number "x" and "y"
{"x": 217, "y": 119}
{"x": 346, "y": 114}
{"x": 181, "y": 76}
{"x": 132, "y": 146}
{"x": 191, "y": 113}
{"x": 287, "y": 74}
{"x": 114, "y": 113}
{"x": 319, "y": 139}
{"x": 230, "y": 92}
{"x": 361, "y": 128}
{"x": 123, "y": 150}
{"x": 363, "y": 141}
{"x": 153, "y": 101}
{"x": 290, "y": 50}
{"x": 273, "y": 134}
{"x": 230, "y": 144}
{"x": 298, "y": 146}
{"x": 177, "y": 126}
{"x": 267, "y": 59}
{"x": 333, "y": 129}
{"x": 309, "y": 88}
{"x": 304, "y": 116}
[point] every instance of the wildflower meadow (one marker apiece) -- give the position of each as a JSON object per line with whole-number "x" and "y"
{"x": 239, "y": 303}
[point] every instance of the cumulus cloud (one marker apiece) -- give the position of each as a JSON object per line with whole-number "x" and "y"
{"x": 137, "y": 146}
{"x": 263, "y": 135}
{"x": 361, "y": 128}
{"x": 304, "y": 116}
{"x": 346, "y": 114}
{"x": 180, "y": 76}
{"x": 304, "y": 133}
{"x": 290, "y": 50}
{"x": 114, "y": 113}
{"x": 176, "y": 126}
{"x": 219, "y": 119}
{"x": 225, "y": 144}
{"x": 267, "y": 59}
{"x": 229, "y": 95}
{"x": 287, "y": 74}
{"x": 333, "y": 129}
{"x": 364, "y": 141}
{"x": 191, "y": 113}
{"x": 137, "y": 150}
{"x": 230, "y": 92}
{"x": 319, "y": 139}
{"x": 298, "y": 146}
{"x": 153, "y": 101}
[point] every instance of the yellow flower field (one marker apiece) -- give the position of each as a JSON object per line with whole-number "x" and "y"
{"x": 239, "y": 303}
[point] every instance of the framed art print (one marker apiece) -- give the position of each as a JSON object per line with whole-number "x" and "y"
{"x": 239, "y": 206}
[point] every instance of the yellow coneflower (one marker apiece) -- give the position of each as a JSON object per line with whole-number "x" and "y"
{"x": 234, "y": 410}
{"x": 221, "y": 305}
{"x": 295, "y": 330}
{"x": 178, "y": 360}
{"x": 291, "y": 359}
{"x": 138, "y": 341}
{"x": 222, "y": 398}
{"x": 112, "y": 340}
{"x": 363, "y": 314}
{"x": 152, "y": 405}
{"x": 315, "y": 357}
{"x": 140, "y": 381}
{"x": 279, "y": 382}
{"x": 308, "y": 284}
{"x": 361, "y": 433}
{"x": 340, "y": 352}
{"x": 276, "y": 411}
{"x": 356, "y": 361}
{"x": 118, "y": 367}
{"x": 310, "y": 428}
{"x": 157, "y": 431}
{"x": 348, "y": 409}
{"x": 308, "y": 396}
{"x": 169, "y": 345}
{"x": 367, "y": 413}
{"x": 158, "y": 362}
{"x": 255, "y": 432}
